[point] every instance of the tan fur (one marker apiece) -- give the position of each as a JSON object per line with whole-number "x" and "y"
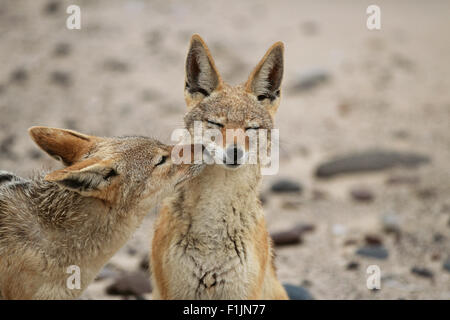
{"x": 80, "y": 215}
{"x": 210, "y": 240}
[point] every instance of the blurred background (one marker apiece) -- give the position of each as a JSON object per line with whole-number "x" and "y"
{"x": 378, "y": 101}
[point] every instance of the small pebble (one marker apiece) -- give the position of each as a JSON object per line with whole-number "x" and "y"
{"x": 373, "y": 240}
{"x": 376, "y": 252}
{"x": 61, "y": 78}
{"x": 286, "y": 186}
{"x": 19, "y": 75}
{"x": 130, "y": 284}
{"x": 361, "y": 194}
{"x": 422, "y": 272}
{"x": 353, "y": 265}
{"x": 391, "y": 223}
{"x": 297, "y": 292}
{"x": 446, "y": 265}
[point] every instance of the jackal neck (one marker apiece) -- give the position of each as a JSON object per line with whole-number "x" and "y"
{"x": 219, "y": 199}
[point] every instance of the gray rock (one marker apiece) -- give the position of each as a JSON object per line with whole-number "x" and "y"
{"x": 286, "y": 185}
{"x": 446, "y": 265}
{"x": 19, "y": 75}
{"x": 144, "y": 265}
{"x": 391, "y": 223}
{"x": 116, "y": 65}
{"x": 106, "y": 273}
{"x": 62, "y": 49}
{"x": 362, "y": 194}
{"x": 353, "y": 265}
{"x": 309, "y": 79}
{"x": 288, "y": 237}
{"x": 51, "y": 7}
{"x": 376, "y": 252}
{"x": 6, "y": 147}
{"x": 370, "y": 160}
{"x": 422, "y": 272}
{"x": 61, "y": 78}
{"x": 297, "y": 293}
{"x": 373, "y": 240}
{"x": 292, "y": 236}
{"x": 130, "y": 284}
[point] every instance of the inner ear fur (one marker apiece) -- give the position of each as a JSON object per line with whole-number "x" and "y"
{"x": 265, "y": 80}
{"x": 86, "y": 177}
{"x": 202, "y": 77}
{"x": 65, "y": 145}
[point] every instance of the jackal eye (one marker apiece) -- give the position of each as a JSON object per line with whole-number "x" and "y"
{"x": 161, "y": 161}
{"x": 215, "y": 123}
{"x": 111, "y": 173}
{"x": 253, "y": 128}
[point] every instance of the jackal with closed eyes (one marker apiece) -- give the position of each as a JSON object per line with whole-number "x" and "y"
{"x": 211, "y": 240}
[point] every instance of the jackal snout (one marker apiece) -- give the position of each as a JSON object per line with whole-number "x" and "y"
{"x": 118, "y": 170}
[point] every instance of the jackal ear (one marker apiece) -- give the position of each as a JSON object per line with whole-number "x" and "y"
{"x": 265, "y": 80}
{"x": 202, "y": 77}
{"x": 89, "y": 178}
{"x": 65, "y": 145}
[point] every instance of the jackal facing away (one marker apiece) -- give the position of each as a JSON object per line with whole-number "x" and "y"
{"x": 80, "y": 215}
{"x": 211, "y": 240}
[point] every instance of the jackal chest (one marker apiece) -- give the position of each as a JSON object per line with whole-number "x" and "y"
{"x": 220, "y": 273}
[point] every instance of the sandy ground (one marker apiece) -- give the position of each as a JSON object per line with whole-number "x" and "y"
{"x": 123, "y": 73}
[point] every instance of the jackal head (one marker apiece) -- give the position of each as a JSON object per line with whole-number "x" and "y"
{"x": 119, "y": 170}
{"x": 243, "y": 108}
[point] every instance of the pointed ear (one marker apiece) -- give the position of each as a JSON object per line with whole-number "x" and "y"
{"x": 65, "y": 145}
{"x": 265, "y": 80}
{"x": 202, "y": 77}
{"x": 89, "y": 178}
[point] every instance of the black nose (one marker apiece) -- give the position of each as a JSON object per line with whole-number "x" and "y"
{"x": 234, "y": 154}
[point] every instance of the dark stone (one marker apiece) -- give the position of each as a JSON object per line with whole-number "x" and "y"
{"x": 19, "y": 75}
{"x": 130, "y": 284}
{"x": 51, "y": 7}
{"x": 376, "y": 252}
{"x": 297, "y": 292}
{"x": 292, "y": 236}
{"x": 61, "y": 78}
{"x": 422, "y": 272}
{"x": 145, "y": 264}
{"x": 288, "y": 237}
{"x": 438, "y": 237}
{"x": 116, "y": 65}
{"x": 371, "y": 160}
{"x": 426, "y": 193}
{"x": 398, "y": 180}
{"x": 446, "y": 265}
{"x": 6, "y": 147}
{"x": 353, "y": 265}
{"x": 362, "y": 194}
{"x": 106, "y": 273}
{"x": 286, "y": 185}
{"x": 373, "y": 240}
{"x": 62, "y": 49}
{"x": 391, "y": 223}
{"x": 310, "y": 79}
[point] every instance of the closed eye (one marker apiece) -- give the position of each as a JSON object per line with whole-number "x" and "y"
{"x": 252, "y": 128}
{"x": 215, "y": 123}
{"x": 161, "y": 161}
